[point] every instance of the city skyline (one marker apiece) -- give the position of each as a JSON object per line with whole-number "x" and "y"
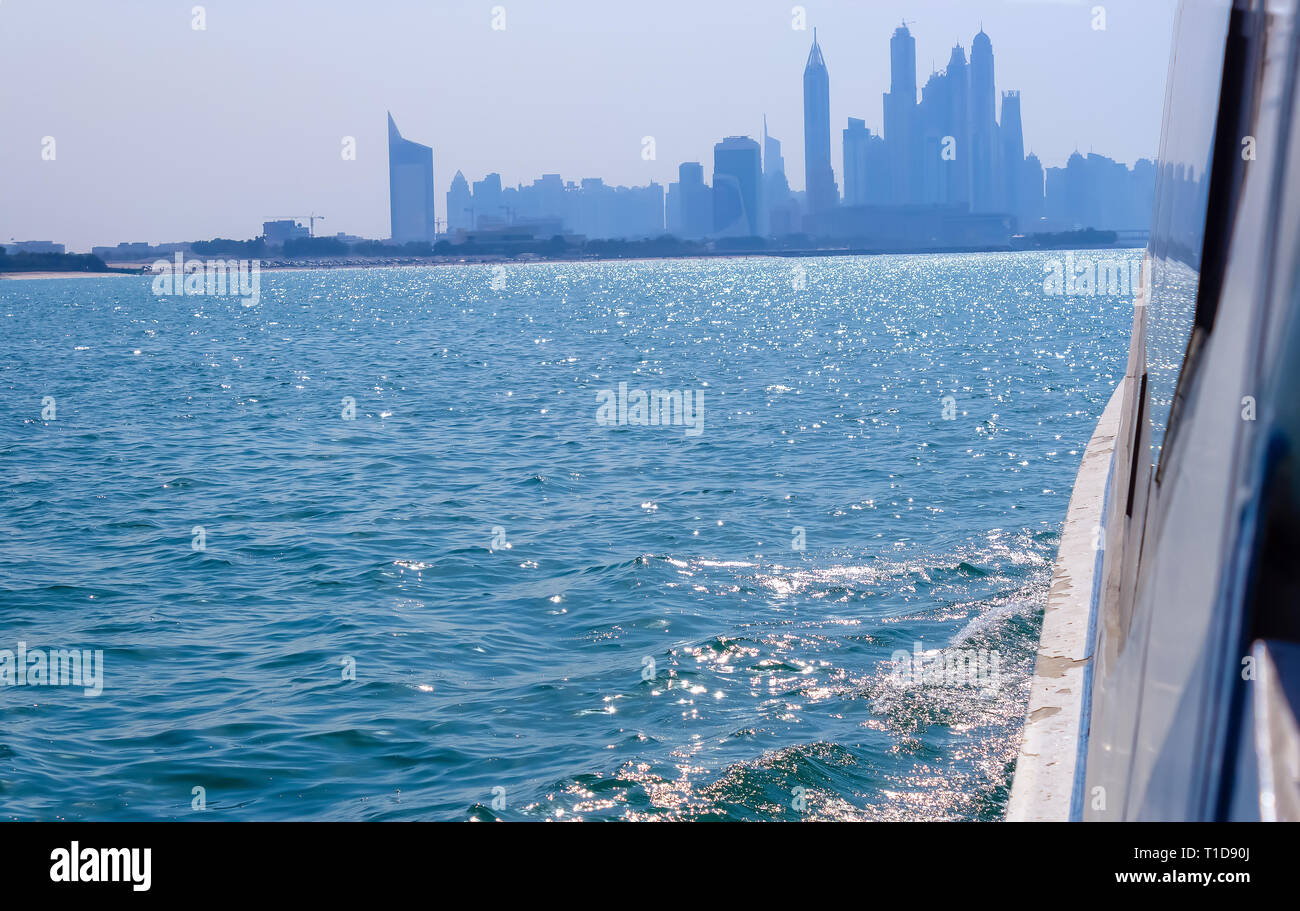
{"x": 950, "y": 172}
{"x": 243, "y": 174}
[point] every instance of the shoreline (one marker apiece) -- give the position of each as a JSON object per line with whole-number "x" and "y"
{"x": 81, "y": 273}
{"x": 502, "y": 259}
{"x": 141, "y": 269}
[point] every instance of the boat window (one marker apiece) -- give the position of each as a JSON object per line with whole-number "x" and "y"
{"x": 1239, "y": 96}
{"x": 1178, "y": 229}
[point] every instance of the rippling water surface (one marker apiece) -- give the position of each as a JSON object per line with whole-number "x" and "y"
{"x": 510, "y": 681}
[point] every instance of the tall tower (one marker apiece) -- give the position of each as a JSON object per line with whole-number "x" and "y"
{"x": 857, "y": 142}
{"x": 776, "y": 189}
{"x": 773, "y": 162}
{"x": 900, "y": 119}
{"x": 986, "y": 193}
{"x": 819, "y": 178}
{"x": 460, "y": 205}
{"x": 1012, "y": 156}
{"x": 737, "y": 183}
{"x": 959, "y": 170}
{"x": 410, "y": 188}
{"x": 1032, "y": 201}
{"x": 696, "y": 200}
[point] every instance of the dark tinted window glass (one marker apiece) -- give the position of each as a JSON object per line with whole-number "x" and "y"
{"x": 1182, "y": 195}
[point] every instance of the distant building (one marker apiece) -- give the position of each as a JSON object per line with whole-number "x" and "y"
{"x": 546, "y": 198}
{"x": 626, "y": 213}
{"x": 460, "y": 205}
{"x": 690, "y": 202}
{"x": 489, "y": 204}
{"x": 1011, "y": 160}
{"x": 780, "y": 213}
{"x": 866, "y": 166}
{"x": 901, "y": 129}
{"x": 1093, "y": 191}
{"x": 278, "y": 231}
{"x": 32, "y": 246}
{"x": 520, "y": 233}
{"x": 737, "y": 174}
{"x": 124, "y": 252}
{"x": 903, "y": 229}
{"x": 590, "y": 208}
{"x": 1055, "y": 204}
{"x": 945, "y": 134}
{"x": 410, "y": 188}
{"x": 1030, "y": 200}
{"x": 818, "y": 174}
{"x": 986, "y": 193}
{"x": 673, "y": 205}
{"x": 134, "y": 252}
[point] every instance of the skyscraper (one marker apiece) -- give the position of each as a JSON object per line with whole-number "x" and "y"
{"x": 1012, "y": 155}
{"x": 545, "y": 199}
{"x": 866, "y": 166}
{"x": 1078, "y": 201}
{"x": 820, "y": 178}
{"x": 933, "y": 132}
{"x": 943, "y": 118}
{"x": 489, "y": 202}
{"x": 985, "y": 193}
{"x": 460, "y": 205}
{"x": 900, "y": 119}
{"x": 779, "y": 203}
{"x": 410, "y": 188}
{"x": 777, "y": 216}
{"x": 673, "y": 209}
{"x": 696, "y": 200}
{"x": 737, "y": 173}
{"x": 958, "y": 120}
{"x": 1031, "y": 200}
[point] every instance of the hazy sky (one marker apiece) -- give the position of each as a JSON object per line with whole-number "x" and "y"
{"x": 166, "y": 133}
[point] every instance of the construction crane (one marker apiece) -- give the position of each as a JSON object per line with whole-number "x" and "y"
{"x": 310, "y": 219}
